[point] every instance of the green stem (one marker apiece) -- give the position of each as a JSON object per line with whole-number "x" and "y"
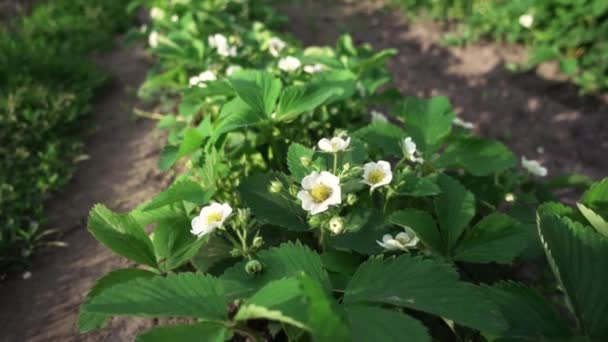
{"x": 335, "y": 163}
{"x": 322, "y": 239}
{"x": 389, "y": 194}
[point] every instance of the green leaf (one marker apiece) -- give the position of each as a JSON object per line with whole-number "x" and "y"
{"x": 579, "y": 259}
{"x": 364, "y": 227}
{"x": 341, "y": 82}
{"x": 455, "y": 207}
{"x": 216, "y": 250}
{"x": 423, "y": 225}
{"x": 426, "y": 285}
{"x": 181, "y": 190}
{"x": 88, "y": 321}
{"x": 259, "y": 89}
{"x": 270, "y": 207}
{"x": 234, "y": 115}
{"x": 596, "y": 220}
{"x": 382, "y": 136}
{"x": 193, "y": 139}
{"x": 416, "y": 186}
{"x": 529, "y": 315}
{"x": 180, "y": 295}
{"x": 596, "y": 197}
{"x": 369, "y": 323}
{"x": 496, "y": 238}
{"x": 295, "y": 156}
{"x": 299, "y": 99}
{"x": 284, "y": 261}
{"x": 426, "y": 121}
{"x": 480, "y": 157}
{"x": 174, "y": 244}
{"x": 122, "y": 234}
{"x": 568, "y": 66}
{"x": 280, "y": 300}
{"x": 168, "y": 157}
{"x": 205, "y": 331}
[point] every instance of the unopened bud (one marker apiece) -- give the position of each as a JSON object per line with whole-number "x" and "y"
{"x": 253, "y": 267}
{"x": 351, "y": 199}
{"x": 346, "y": 166}
{"x": 336, "y": 225}
{"x": 315, "y": 221}
{"x": 258, "y": 241}
{"x": 275, "y": 187}
{"x": 305, "y": 161}
{"x": 510, "y": 197}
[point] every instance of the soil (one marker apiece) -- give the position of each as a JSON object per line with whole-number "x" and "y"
{"x": 528, "y": 111}
{"x": 536, "y": 114}
{"x": 121, "y": 172}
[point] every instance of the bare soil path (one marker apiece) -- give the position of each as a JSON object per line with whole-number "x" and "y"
{"x": 529, "y": 112}
{"x": 121, "y": 173}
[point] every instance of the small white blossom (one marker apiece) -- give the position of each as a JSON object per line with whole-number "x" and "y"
{"x": 210, "y": 218}
{"x": 401, "y": 241}
{"x": 377, "y": 174}
{"x": 319, "y": 191}
{"x": 289, "y": 64}
{"x": 534, "y": 167}
{"x": 333, "y": 145}
{"x": 157, "y": 13}
{"x": 314, "y": 68}
{"x": 461, "y": 123}
{"x": 378, "y": 117}
{"x": 27, "y": 275}
{"x": 202, "y": 78}
{"x": 336, "y": 225}
{"x": 220, "y": 43}
{"x": 174, "y": 18}
{"x": 275, "y": 46}
{"x": 410, "y": 150}
{"x": 510, "y": 197}
{"x": 526, "y": 20}
{"x": 153, "y": 39}
{"x": 232, "y": 69}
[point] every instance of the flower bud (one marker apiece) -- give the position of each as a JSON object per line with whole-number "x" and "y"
{"x": 253, "y": 267}
{"x": 258, "y": 241}
{"x": 305, "y": 161}
{"x": 336, "y": 225}
{"x": 346, "y": 167}
{"x": 275, "y": 187}
{"x": 235, "y": 252}
{"x": 351, "y": 199}
{"x": 315, "y": 221}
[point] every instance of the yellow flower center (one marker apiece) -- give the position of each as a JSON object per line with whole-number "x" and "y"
{"x": 214, "y": 217}
{"x": 320, "y": 193}
{"x": 375, "y": 176}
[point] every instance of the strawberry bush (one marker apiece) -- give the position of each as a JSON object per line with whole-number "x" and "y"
{"x": 315, "y": 202}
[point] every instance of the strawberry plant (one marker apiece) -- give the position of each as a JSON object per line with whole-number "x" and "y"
{"x": 300, "y": 216}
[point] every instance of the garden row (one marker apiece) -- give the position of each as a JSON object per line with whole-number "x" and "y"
{"x": 46, "y": 87}
{"x": 316, "y": 202}
{"x": 572, "y": 33}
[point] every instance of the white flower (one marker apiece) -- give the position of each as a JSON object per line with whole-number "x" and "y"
{"x": 153, "y": 39}
{"x": 461, "y": 123}
{"x": 378, "y": 117}
{"x": 220, "y": 43}
{"x": 232, "y": 69}
{"x": 210, "y": 218}
{"x": 27, "y": 275}
{"x": 410, "y": 151}
{"x": 320, "y": 190}
{"x": 333, "y": 145}
{"x": 336, "y": 225}
{"x": 510, "y": 197}
{"x": 289, "y": 64}
{"x": 157, "y": 13}
{"x": 314, "y": 68}
{"x": 174, "y": 18}
{"x": 401, "y": 241}
{"x": 377, "y": 174}
{"x": 202, "y": 78}
{"x": 526, "y": 20}
{"x": 275, "y": 46}
{"x": 534, "y": 167}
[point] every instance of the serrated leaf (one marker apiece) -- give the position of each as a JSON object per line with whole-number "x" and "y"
{"x": 423, "y": 225}
{"x": 596, "y": 197}
{"x": 122, "y": 234}
{"x": 579, "y": 259}
{"x": 382, "y": 136}
{"x": 364, "y": 228}
{"x": 455, "y": 207}
{"x": 88, "y": 321}
{"x": 427, "y": 121}
{"x": 296, "y": 154}
{"x": 283, "y": 261}
{"x": 480, "y": 157}
{"x": 205, "y": 331}
{"x": 596, "y": 220}
{"x": 368, "y": 323}
{"x": 168, "y": 157}
{"x": 342, "y": 82}
{"x": 426, "y": 285}
{"x": 174, "y": 244}
{"x": 192, "y": 140}
{"x": 181, "y": 190}
{"x": 299, "y": 99}
{"x": 259, "y": 89}
{"x": 496, "y": 238}
{"x": 529, "y": 315}
{"x": 234, "y": 115}
{"x": 416, "y": 186}
{"x": 180, "y": 295}
{"x": 270, "y": 207}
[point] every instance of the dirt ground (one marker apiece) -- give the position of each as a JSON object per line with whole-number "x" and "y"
{"x": 536, "y": 114}
{"x": 527, "y": 111}
{"x": 121, "y": 172}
